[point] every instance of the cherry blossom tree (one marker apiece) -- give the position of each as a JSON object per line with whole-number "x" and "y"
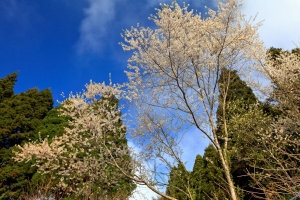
{"x": 173, "y": 82}
{"x": 174, "y": 72}
{"x": 91, "y": 149}
{"x": 278, "y": 174}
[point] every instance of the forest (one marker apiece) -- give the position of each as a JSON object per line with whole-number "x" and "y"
{"x": 212, "y": 74}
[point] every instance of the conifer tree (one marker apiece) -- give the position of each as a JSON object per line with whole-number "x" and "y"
{"x": 7, "y": 86}
{"x": 174, "y": 71}
{"x": 197, "y": 178}
{"x": 52, "y": 125}
{"x": 213, "y": 180}
{"x": 179, "y": 185}
{"x": 240, "y": 95}
{"x": 245, "y": 116}
{"x": 206, "y": 181}
{"x": 20, "y": 114}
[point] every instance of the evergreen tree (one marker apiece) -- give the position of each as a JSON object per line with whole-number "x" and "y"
{"x": 197, "y": 178}
{"x": 239, "y": 98}
{"x": 179, "y": 183}
{"x": 116, "y": 141}
{"x": 206, "y": 181}
{"x": 7, "y": 86}
{"x": 213, "y": 180}
{"x": 245, "y": 117}
{"x": 236, "y": 91}
{"x": 52, "y": 125}
{"x": 20, "y": 114}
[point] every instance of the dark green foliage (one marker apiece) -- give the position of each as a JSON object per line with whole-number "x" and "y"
{"x": 20, "y": 114}
{"x": 179, "y": 182}
{"x": 238, "y": 110}
{"x": 197, "y": 178}
{"x": 213, "y": 181}
{"x": 206, "y": 181}
{"x": 116, "y": 142}
{"x": 110, "y": 185}
{"x": 235, "y": 90}
{"x": 52, "y": 125}
{"x": 7, "y": 86}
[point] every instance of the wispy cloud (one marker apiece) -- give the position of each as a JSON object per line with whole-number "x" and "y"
{"x": 281, "y": 21}
{"x": 93, "y": 27}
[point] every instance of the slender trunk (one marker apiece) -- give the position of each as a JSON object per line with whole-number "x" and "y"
{"x": 227, "y": 174}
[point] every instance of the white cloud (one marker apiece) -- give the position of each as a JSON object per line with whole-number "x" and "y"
{"x": 93, "y": 27}
{"x": 281, "y": 26}
{"x": 143, "y": 192}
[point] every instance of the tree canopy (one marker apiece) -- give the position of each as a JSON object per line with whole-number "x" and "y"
{"x": 20, "y": 114}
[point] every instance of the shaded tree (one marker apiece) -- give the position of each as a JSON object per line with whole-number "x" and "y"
{"x": 240, "y": 100}
{"x": 179, "y": 185}
{"x": 20, "y": 114}
{"x": 213, "y": 179}
{"x": 197, "y": 178}
{"x": 7, "y": 86}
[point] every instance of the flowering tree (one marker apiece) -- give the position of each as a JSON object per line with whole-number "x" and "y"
{"x": 174, "y": 73}
{"x": 278, "y": 174}
{"x": 86, "y": 155}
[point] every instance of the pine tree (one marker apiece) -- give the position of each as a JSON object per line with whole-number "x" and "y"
{"x": 123, "y": 186}
{"x": 20, "y": 114}
{"x": 206, "y": 181}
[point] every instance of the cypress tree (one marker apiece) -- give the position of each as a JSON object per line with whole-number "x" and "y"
{"x": 52, "y": 125}
{"x": 20, "y": 114}
{"x": 179, "y": 182}
{"x": 115, "y": 141}
{"x": 242, "y": 124}
{"x": 7, "y": 86}
{"x": 197, "y": 178}
{"x": 213, "y": 181}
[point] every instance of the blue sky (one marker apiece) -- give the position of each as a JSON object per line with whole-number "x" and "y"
{"x": 62, "y": 44}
